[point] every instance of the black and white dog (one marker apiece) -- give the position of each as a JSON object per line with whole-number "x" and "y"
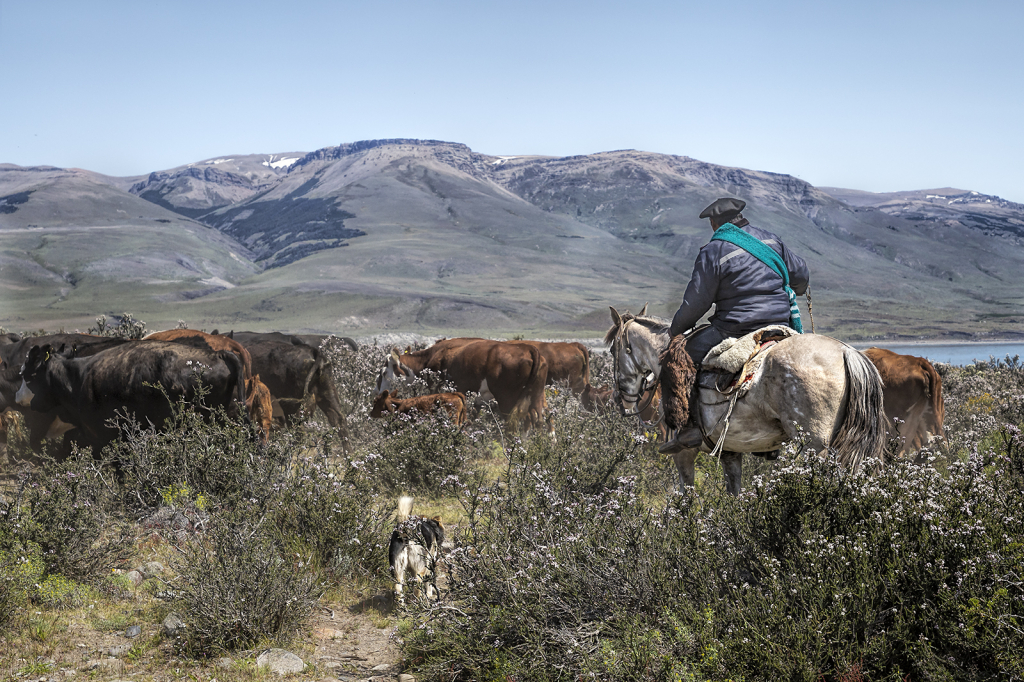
{"x": 415, "y": 546}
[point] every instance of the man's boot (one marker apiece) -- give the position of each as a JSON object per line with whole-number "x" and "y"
{"x": 686, "y": 438}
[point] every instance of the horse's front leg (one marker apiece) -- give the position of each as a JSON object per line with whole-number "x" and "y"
{"x": 684, "y": 463}
{"x": 732, "y": 467}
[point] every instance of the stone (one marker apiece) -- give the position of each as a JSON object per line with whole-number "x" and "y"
{"x": 173, "y": 625}
{"x": 280, "y": 661}
{"x": 329, "y": 633}
{"x": 133, "y": 631}
{"x": 382, "y": 668}
{"x": 152, "y": 569}
{"x": 405, "y": 677}
{"x": 135, "y": 577}
{"x": 110, "y": 665}
{"x": 119, "y": 650}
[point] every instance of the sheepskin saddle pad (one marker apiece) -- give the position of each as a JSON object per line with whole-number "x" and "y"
{"x": 743, "y": 356}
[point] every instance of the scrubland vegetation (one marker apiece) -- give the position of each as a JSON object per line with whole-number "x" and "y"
{"x": 572, "y": 557}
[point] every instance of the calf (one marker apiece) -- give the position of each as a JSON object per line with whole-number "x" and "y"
{"x": 297, "y": 374}
{"x": 452, "y": 403}
{"x": 259, "y": 405}
{"x": 596, "y": 399}
{"x": 513, "y": 374}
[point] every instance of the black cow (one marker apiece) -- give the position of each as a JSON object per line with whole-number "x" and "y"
{"x": 294, "y": 372}
{"x": 87, "y": 392}
{"x": 13, "y": 355}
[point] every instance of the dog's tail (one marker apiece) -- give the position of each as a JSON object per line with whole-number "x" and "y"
{"x": 404, "y": 508}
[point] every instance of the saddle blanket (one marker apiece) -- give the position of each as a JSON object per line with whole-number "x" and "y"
{"x": 742, "y": 356}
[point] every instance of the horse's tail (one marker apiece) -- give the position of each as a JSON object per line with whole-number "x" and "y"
{"x": 938, "y": 405}
{"x": 862, "y": 432}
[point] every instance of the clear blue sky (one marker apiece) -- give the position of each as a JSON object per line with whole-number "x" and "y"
{"x": 879, "y": 96}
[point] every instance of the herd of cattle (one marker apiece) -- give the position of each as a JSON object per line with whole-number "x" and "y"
{"x": 77, "y": 383}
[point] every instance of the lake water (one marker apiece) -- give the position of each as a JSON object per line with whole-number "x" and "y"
{"x": 953, "y": 353}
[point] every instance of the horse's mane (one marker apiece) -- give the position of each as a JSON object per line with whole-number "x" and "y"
{"x": 656, "y": 325}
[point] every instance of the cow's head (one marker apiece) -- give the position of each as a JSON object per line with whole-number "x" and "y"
{"x": 33, "y": 392}
{"x": 395, "y": 375}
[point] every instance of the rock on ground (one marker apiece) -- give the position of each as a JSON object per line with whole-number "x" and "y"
{"x": 280, "y": 661}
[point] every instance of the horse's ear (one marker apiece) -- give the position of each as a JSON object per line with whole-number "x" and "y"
{"x": 616, "y": 318}
{"x": 643, "y": 311}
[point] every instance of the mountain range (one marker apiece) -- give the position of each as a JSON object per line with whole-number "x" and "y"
{"x": 428, "y": 236}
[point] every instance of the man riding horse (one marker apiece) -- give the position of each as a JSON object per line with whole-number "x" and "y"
{"x": 751, "y": 278}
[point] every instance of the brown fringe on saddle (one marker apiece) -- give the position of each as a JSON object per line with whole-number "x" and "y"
{"x": 678, "y": 374}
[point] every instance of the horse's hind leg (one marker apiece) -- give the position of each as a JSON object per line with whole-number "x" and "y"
{"x": 684, "y": 463}
{"x": 732, "y": 467}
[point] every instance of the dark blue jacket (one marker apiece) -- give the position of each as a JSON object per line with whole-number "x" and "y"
{"x": 747, "y": 293}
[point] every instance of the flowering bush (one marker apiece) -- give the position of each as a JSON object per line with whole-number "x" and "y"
{"x": 811, "y": 573}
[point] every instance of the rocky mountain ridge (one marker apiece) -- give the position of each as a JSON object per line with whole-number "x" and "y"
{"x": 411, "y": 234}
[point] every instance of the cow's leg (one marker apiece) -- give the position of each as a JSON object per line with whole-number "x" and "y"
{"x": 732, "y": 467}
{"x": 685, "y": 460}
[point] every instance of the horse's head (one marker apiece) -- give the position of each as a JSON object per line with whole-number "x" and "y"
{"x": 635, "y": 342}
{"x": 395, "y": 374}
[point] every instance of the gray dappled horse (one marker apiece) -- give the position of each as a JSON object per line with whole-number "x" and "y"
{"x": 811, "y": 386}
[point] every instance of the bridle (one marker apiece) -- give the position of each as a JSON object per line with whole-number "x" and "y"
{"x": 647, "y": 380}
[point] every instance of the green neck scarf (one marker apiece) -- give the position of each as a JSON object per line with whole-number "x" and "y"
{"x": 767, "y": 255}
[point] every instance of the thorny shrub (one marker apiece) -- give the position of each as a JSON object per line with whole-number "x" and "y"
{"x": 980, "y": 399}
{"x": 625, "y": 447}
{"x": 238, "y": 584}
{"x": 344, "y": 528}
{"x": 127, "y": 327}
{"x": 810, "y": 574}
{"x": 216, "y": 457}
{"x": 65, "y": 509}
{"x": 412, "y": 453}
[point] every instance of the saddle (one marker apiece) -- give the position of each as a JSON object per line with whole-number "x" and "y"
{"x": 734, "y": 364}
{"x": 730, "y": 367}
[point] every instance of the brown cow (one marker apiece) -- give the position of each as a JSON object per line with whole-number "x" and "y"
{"x": 912, "y": 396}
{"x": 513, "y": 374}
{"x": 452, "y": 403}
{"x": 259, "y": 405}
{"x": 194, "y": 337}
{"x": 568, "y": 362}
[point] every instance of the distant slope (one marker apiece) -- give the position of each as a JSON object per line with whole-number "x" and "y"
{"x": 388, "y": 235}
{"x": 73, "y": 247}
{"x": 952, "y": 207}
